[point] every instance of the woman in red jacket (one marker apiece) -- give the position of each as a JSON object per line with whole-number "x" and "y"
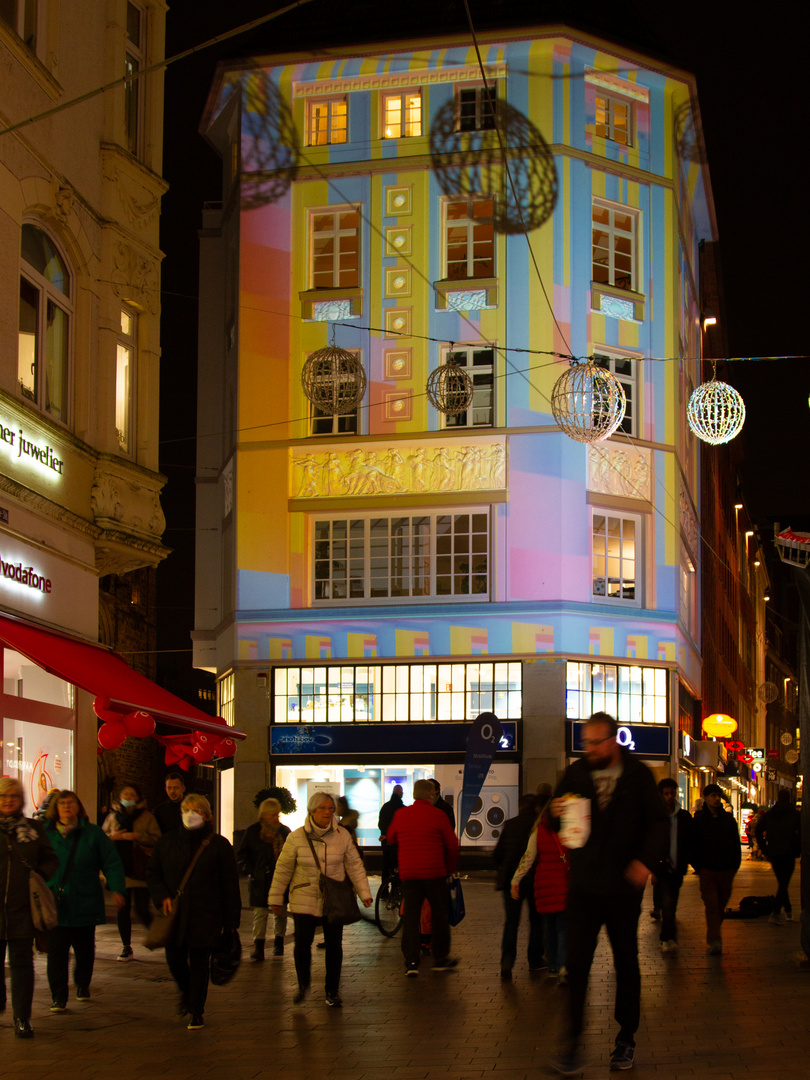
{"x": 550, "y": 890}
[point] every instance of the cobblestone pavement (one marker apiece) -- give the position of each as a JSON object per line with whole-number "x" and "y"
{"x": 740, "y": 1016}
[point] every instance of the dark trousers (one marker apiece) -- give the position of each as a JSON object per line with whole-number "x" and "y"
{"x": 585, "y": 915}
{"x": 189, "y": 968}
{"x": 414, "y": 893}
{"x": 21, "y": 966}
{"x": 302, "y": 952}
{"x": 715, "y": 888}
{"x": 389, "y": 858}
{"x": 82, "y": 939}
{"x": 140, "y": 898}
{"x": 783, "y": 866}
{"x": 666, "y": 890}
{"x": 512, "y": 911}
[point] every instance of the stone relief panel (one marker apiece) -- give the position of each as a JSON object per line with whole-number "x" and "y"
{"x": 620, "y": 470}
{"x": 135, "y": 277}
{"x": 130, "y": 502}
{"x": 689, "y": 525}
{"x": 398, "y": 470}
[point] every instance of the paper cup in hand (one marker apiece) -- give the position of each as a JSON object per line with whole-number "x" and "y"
{"x": 575, "y": 822}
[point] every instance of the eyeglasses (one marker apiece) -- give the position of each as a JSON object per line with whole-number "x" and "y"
{"x": 587, "y": 743}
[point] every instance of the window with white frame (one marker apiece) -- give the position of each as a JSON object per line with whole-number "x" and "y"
{"x": 124, "y": 374}
{"x": 688, "y": 582}
{"x": 226, "y": 693}
{"x": 614, "y": 240}
{"x": 616, "y": 557}
{"x": 134, "y": 61}
{"x": 43, "y": 357}
{"x": 614, "y": 118}
{"x": 397, "y": 693}
{"x": 479, "y": 363}
{"x": 625, "y": 368}
{"x": 632, "y": 694}
{"x": 21, "y": 16}
{"x": 334, "y": 237}
{"x": 327, "y": 121}
{"x": 475, "y": 108}
{"x": 469, "y": 237}
{"x": 401, "y": 557}
{"x": 402, "y": 115}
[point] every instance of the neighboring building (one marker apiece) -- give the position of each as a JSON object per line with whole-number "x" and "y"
{"x": 80, "y": 195}
{"x": 367, "y": 582}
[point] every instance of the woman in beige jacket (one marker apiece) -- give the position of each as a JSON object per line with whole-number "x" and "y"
{"x": 298, "y": 871}
{"x": 134, "y": 831}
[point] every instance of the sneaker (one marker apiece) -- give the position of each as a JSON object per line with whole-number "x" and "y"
{"x": 58, "y": 1005}
{"x": 126, "y": 953}
{"x": 82, "y": 993}
{"x": 567, "y": 1063}
{"x": 664, "y": 946}
{"x": 672, "y": 945}
{"x": 300, "y": 994}
{"x": 506, "y": 974}
{"x": 776, "y": 918}
{"x": 622, "y": 1057}
{"x": 715, "y": 947}
{"x": 278, "y": 946}
{"x": 334, "y": 1001}
{"x": 195, "y": 1022}
{"x": 448, "y": 965}
{"x": 788, "y": 916}
{"x": 539, "y": 967}
{"x": 562, "y": 979}
{"x": 552, "y": 973}
{"x": 411, "y": 969}
{"x": 23, "y": 1029}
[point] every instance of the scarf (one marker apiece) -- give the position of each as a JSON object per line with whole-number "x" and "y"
{"x": 24, "y": 831}
{"x": 273, "y": 835}
{"x": 66, "y": 830}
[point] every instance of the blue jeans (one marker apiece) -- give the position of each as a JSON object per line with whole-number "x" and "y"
{"x": 554, "y": 934}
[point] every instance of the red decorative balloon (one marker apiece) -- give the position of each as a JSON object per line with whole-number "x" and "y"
{"x": 140, "y": 724}
{"x": 185, "y": 763}
{"x": 204, "y": 748}
{"x": 111, "y": 734}
{"x": 226, "y": 748}
{"x": 173, "y": 755}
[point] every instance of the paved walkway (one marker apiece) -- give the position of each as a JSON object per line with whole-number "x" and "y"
{"x": 742, "y": 1016}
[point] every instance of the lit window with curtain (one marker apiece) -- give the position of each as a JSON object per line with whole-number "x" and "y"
{"x": 124, "y": 373}
{"x": 134, "y": 60}
{"x": 44, "y": 324}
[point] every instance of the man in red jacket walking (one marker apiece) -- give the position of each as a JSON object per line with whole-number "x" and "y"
{"x": 428, "y": 853}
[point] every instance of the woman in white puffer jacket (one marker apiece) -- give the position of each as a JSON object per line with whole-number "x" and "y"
{"x": 298, "y": 871}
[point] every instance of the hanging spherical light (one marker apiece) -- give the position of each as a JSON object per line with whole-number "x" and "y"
{"x": 716, "y": 412}
{"x": 588, "y": 402}
{"x": 450, "y": 389}
{"x": 333, "y": 380}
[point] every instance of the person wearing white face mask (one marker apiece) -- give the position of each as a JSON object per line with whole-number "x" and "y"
{"x": 209, "y": 903}
{"x": 134, "y": 831}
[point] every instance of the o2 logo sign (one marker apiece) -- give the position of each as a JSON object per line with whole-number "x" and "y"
{"x": 624, "y": 738}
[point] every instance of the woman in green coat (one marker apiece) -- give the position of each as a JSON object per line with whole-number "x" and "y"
{"x": 84, "y": 852}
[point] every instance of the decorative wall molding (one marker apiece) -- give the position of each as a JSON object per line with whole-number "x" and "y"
{"x": 394, "y": 80}
{"x": 614, "y": 469}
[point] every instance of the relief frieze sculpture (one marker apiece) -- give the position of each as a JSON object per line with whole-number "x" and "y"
{"x": 398, "y": 470}
{"x": 689, "y": 525}
{"x": 620, "y": 470}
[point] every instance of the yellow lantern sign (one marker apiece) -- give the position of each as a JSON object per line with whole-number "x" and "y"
{"x": 719, "y": 725}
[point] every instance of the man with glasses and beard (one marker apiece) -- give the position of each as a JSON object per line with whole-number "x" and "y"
{"x": 628, "y": 837}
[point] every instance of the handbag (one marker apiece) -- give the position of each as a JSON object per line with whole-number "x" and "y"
{"x": 339, "y": 900}
{"x": 161, "y": 931}
{"x": 457, "y": 910}
{"x": 226, "y": 957}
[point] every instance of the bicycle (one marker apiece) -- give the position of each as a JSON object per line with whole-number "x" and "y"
{"x": 388, "y": 905}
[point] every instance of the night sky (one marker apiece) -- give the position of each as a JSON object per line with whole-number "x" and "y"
{"x": 749, "y": 91}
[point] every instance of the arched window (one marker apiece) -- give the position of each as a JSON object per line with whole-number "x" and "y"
{"x": 44, "y": 338}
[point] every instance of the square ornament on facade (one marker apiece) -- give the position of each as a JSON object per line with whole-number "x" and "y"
{"x": 398, "y": 320}
{"x": 399, "y": 405}
{"x": 398, "y": 363}
{"x": 398, "y": 281}
{"x": 398, "y": 201}
{"x": 398, "y": 240}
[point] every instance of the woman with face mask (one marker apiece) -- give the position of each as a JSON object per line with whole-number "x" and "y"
{"x": 134, "y": 831}
{"x": 209, "y": 903}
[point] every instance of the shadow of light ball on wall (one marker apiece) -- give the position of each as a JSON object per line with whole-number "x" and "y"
{"x": 472, "y": 163}
{"x": 269, "y": 142}
{"x": 690, "y": 146}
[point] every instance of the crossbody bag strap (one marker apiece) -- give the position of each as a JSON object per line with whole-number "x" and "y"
{"x": 15, "y": 847}
{"x": 191, "y": 866}
{"x": 314, "y": 856}
{"x": 71, "y": 856}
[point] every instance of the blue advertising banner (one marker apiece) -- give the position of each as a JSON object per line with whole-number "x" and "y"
{"x": 387, "y": 740}
{"x": 647, "y": 740}
{"x": 482, "y": 744}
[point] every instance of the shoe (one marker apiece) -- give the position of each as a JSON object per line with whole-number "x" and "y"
{"x": 715, "y": 947}
{"x": 448, "y": 965}
{"x": 82, "y": 993}
{"x": 195, "y": 1022}
{"x": 506, "y": 974}
{"x": 23, "y": 1029}
{"x": 552, "y": 973}
{"x": 334, "y": 1001}
{"x": 278, "y": 946}
{"x": 126, "y": 953}
{"x": 673, "y": 945}
{"x": 182, "y": 1006}
{"x": 58, "y": 1005}
{"x": 622, "y": 1057}
{"x": 788, "y": 916}
{"x": 411, "y": 969}
{"x": 300, "y": 994}
{"x": 562, "y": 978}
{"x": 568, "y": 1063}
{"x": 539, "y": 967}
{"x": 321, "y": 945}
{"x": 425, "y": 946}
{"x": 655, "y": 914}
{"x": 664, "y": 946}
{"x": 258, "y": 950}
{"x": 776, "y": 918}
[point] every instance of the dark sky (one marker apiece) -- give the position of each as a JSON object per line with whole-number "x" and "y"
{"x": 749, "y": 90}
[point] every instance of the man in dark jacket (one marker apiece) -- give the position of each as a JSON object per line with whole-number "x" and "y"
{"x": 168, "y": 814}
{"x": 427, "y": 850}
{"x": 442, "y": 804}
{"x": 507, "y": 855}
{"x": 389, "y": 860}
{"x": 779, "y": 838}
{"x": 716, "y": 856}
{"x": 626, "y": 841}
{"x": 670, "y": 873}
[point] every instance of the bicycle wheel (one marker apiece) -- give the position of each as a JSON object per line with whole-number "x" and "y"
{"x": 388, "y": 906}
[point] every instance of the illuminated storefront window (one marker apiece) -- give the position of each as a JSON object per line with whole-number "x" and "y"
{"x": 633, "y": 695}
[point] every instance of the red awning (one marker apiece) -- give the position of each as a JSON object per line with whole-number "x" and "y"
{"x": 101, "y": 672}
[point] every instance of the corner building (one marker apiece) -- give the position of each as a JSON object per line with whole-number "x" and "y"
{"x": 370, "y": 581}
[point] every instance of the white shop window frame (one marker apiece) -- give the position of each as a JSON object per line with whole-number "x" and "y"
{"x": 639, "y": 545}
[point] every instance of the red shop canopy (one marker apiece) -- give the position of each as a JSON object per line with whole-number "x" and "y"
{"x": 101, "y": 672}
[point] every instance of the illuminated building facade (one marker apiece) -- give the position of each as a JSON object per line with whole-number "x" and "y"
{"x": 369, "y": 580}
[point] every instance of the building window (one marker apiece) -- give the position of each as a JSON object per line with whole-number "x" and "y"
{"x": 688, "y": 594}
{"x": 322, "y": 423}
{"x": 633, "y": 695}
{"x": 21, "y": 16}
{"x": 475, "y": 108}
{"x": 44, "y": 328}
{"x": 625, "y": 369}
{"x": 615, "y": 557}
{"x": 479, "y": 363}
{"x": 469, "y": 235}
{"x": 614, "y": 246}
{"x": 396, "y": 693}
{"x": 402, "y": 115}
{"x": 226, "y": 693}
{"x": 134, "y": 61}
{"x": 124, "y": 371}
{"x": 614, "y": 119}
{"x": 328, "y": 121}
{"x": 416, "y": 557}
{"x": 335, "y": 249}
